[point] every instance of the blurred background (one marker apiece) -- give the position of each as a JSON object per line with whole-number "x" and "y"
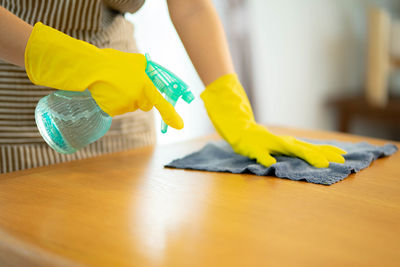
{"x": 315, "y": 64}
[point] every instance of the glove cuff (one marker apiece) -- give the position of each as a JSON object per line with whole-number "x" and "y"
{"x": 51, "y": 58}
{"x": 228, "y": 107}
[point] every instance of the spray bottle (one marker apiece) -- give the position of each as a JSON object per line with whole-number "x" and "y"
{"x": 69, "y": 120}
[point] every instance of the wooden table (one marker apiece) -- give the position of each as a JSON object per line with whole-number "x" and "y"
{"x": 125, "y": 209}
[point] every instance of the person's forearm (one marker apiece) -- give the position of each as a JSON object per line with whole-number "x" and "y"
{"x": 202, "y": 34}
{"x": 14, "y": 35}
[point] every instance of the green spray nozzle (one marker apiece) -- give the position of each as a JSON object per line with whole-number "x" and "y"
{"x": 169, "y": 85}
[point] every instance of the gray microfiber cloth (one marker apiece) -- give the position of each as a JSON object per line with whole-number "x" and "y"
{"x": 219, "y": 157}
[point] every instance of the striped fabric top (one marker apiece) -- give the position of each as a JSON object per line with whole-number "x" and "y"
{"x": 99, "y": 22}
{"x": 82, "y": 19}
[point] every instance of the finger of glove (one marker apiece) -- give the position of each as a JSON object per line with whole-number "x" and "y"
{"x": 166, "y": 109}
{"x": 312, "y": 156}
{"x": 304, "y": 144}
{"x": 313, "y": 146}
{"x": 146, "y": 105}
{"x": 332, "y": 155}
{"x": 330, "y": 148}
{"x": 264, "y": 158}
{"x": 290, "y": 143}
{"x": 333, "y": 149}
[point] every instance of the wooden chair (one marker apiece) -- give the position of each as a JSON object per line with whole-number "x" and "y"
{"x": 376, "y": 105}
{"x": 381, "y": 61}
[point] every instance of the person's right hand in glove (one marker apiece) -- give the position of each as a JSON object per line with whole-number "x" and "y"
{"x": 116, "y": 80}
{"x": 230, "y": 111}
{"x": 225, "y": 100}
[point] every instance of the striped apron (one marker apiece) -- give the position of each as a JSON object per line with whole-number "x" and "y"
{"x": 98, "y": 22}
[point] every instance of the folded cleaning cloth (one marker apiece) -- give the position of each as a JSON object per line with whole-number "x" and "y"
{"x": 219, "y": 157}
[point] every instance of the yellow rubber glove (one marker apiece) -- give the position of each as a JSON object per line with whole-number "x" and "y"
{"x": 229, "y": 109}
{"x": 116, "y": 80}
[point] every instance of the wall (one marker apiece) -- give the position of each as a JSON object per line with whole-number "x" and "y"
{"x": 306, "y": 52}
